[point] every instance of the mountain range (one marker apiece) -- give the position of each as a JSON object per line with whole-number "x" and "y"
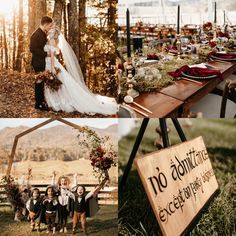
{"x": 54, "y": 143}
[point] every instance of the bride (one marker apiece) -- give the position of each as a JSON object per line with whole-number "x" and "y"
{"x": 73, "y": 94}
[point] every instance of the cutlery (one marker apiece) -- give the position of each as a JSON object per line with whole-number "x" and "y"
{"x": 191, "y": 80}
{"x": 138, "y": 111}
{"x": 129, "y": 99}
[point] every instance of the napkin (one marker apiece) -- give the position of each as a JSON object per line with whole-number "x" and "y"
{"x": 195, "y": 71}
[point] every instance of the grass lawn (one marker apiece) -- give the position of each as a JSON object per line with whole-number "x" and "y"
{"x": 135, "y": 213}
{"x": 104, "y": 223}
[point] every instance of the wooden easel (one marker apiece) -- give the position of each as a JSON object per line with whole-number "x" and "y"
{"x": 165, "y": 139}
{"x": 166, "y": 143}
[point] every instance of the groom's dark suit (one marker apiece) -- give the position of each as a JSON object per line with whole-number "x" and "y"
{"x": 37, "y": 42}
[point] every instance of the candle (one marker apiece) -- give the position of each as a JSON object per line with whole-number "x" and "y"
{"x": 224, "y": 18}
{"x": 128, "y": 33}
{"x": 215, "y": 14}
{"x": 178, "y": 15}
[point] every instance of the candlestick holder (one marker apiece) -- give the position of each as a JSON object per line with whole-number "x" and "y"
{"x": 178, "y": 45}
{"x": 214, "y": 32}
{"x": 130, "y": 80}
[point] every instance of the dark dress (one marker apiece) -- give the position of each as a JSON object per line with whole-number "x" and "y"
{"x": 37, "y": 42}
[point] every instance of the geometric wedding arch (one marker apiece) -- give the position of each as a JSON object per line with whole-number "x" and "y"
{"x": 11, "y": 158}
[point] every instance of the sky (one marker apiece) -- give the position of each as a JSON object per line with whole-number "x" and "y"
{"x": 97, "y": 123}
{"x": 164, "y": 11}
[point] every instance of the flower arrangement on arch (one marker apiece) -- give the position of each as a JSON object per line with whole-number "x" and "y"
{"x": 102, "y": 154}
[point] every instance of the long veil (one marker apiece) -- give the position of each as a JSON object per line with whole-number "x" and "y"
{"x": 71, "y": 63}
{"x": 73, "y": 68}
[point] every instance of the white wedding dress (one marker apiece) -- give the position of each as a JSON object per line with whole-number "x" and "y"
{"x": 74, "y": 94}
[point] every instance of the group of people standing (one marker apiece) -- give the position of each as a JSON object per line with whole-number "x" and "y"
{"x": 59, "y": 202}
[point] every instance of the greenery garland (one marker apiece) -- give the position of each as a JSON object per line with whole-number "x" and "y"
{"x": 156, "y": 84}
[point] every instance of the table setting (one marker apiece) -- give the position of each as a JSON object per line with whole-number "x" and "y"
{"x": 206, "y": 55}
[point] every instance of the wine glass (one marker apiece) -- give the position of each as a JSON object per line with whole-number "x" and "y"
{"x": 184, "y": 44}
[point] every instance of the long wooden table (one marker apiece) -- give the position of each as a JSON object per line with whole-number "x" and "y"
{"x": 177, "y": 99}
{"x": 160, "y": 104}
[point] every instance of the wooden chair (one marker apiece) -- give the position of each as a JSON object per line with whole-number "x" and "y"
{"x": 214, "y": 105}
{"x": 230, "y": 87}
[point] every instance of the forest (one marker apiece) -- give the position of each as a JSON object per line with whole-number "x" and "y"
{"x": 89, "y": 27}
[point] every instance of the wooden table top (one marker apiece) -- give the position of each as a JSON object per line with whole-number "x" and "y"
{"x": 160, "y": 104}
{"x": 191, "y": 92}
{"x": 177, "y": 99}
{"x": 183, "y": 89}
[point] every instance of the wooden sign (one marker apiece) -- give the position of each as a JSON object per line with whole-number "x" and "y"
{"x": 179, "y": 181}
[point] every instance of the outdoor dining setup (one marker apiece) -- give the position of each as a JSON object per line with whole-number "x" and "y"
{"x": 176, "y": 70}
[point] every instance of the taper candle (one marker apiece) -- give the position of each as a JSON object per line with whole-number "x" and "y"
{"x": 128, "y": 33}
{"x": 224, "y": 18}
{"x": 215, "y": 14}
{"x": 178, "y": 18}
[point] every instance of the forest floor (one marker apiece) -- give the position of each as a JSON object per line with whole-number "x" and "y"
{"x": 220, "y": 217}
{"x": 17, "y": 98}
{"x": 103, "y": 223}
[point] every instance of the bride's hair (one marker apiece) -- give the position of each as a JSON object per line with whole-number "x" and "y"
{"x": 53, "y": 35}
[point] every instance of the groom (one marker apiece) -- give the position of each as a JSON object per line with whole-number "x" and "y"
{"x": 37, "y": 42}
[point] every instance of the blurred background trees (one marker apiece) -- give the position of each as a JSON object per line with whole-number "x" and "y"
{"x": 88, "y": 25}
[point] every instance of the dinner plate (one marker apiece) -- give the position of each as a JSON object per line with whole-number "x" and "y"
{"x": 198, "y": 77}
{"x": 223, "y": 59}
{"x": 174, "y": 51}
{"x": 125, "y": 112}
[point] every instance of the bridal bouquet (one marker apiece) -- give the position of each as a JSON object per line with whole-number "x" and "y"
{"x": 50, "y": 79}
{"x": 102, "y": 154}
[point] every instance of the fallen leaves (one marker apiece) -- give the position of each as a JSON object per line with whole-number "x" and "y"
{"x": 17, "y": 98}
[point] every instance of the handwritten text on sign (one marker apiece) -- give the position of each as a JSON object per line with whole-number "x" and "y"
{"x": 178, "y": 180}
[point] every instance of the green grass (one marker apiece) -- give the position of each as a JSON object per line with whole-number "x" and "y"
{"x": 103, "y": 223}
{"x": 135, "y": 213}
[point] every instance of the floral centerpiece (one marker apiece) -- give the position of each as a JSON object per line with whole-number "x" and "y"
{"x": 154, "y": 77}
{"x": 207, "y": 26}
{"x": 102, "y": 154}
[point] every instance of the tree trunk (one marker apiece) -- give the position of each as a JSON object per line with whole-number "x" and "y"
{"x": 58, "y": 10}
{"x": 5, "y": 43}
{"x": 39, "y": 11}
{"x": 65, "y": 22}
{"x": 31, "y": 17}
{"x": 9, "y": 46}
{"x": 1, "y": 51}
{"x": 73, "y": 26}
{"x": 81, "y": 30}
{"x": 20, "y": 49}
{"x": 14, "y": 40}
{"x": 112, "y": 25}
{"x": 112, "y": 10}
